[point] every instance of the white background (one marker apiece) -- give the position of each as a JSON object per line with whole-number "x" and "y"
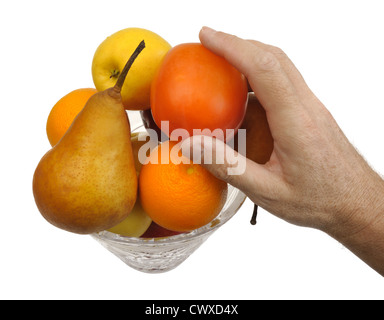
{"x": 46, "y": 52}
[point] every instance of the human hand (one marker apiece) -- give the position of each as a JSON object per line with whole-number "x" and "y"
{"x": 315, "y": 177}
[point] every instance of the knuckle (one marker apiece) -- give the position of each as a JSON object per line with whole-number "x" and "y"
{"x": 270, "y": 56}
{"x": 267, "y": 61}
{"x": 278, "y": 52}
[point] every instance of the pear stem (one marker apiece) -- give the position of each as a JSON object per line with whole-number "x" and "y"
{"x": 254, "y": 215}
{"x": 123, "y": 74}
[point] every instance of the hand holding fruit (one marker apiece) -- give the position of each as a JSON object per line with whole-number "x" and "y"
{"x": 315, "y": 177}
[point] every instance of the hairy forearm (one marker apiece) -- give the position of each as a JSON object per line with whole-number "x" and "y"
{"x": 363, "y": 234}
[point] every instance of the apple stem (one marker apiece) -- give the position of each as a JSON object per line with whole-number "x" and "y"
{"x": 123, "y": 74}
{"x": 254, "y": 215}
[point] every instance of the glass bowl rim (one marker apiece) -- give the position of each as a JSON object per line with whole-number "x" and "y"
{"x": 234, "y": 205}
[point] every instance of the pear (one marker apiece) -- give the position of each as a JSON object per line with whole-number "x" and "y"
{"x": 259, "y": 140}
{"x": 87, "y": 182}
{"x": 258, "y": 134}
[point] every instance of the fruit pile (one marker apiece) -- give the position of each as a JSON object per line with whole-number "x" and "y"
{"x": 98, "y": 175}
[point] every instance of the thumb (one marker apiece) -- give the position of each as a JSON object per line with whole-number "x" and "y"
{"x": 225, "y": 163}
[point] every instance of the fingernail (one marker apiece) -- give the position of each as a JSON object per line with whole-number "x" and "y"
{"x": 207, "y": 30}
{"x": 187, "y": 147}
{"x": 192, "y": 148}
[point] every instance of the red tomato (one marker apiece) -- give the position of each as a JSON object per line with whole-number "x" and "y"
{"x": 197, "y": 89}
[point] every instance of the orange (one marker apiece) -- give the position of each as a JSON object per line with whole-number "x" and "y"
{"x": 65, "y": 111}
{"x": 179, "y": 197}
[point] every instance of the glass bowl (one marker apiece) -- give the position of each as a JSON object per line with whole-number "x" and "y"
{"x": 156, "y": 255}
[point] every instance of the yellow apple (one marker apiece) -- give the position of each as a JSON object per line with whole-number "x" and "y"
{"x": 135, "y": 224}
{"x": 113, "y": 53}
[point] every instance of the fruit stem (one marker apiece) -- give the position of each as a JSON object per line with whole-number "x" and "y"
{"x": 254, "y": 215}
{"x": 123, "y": 74}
